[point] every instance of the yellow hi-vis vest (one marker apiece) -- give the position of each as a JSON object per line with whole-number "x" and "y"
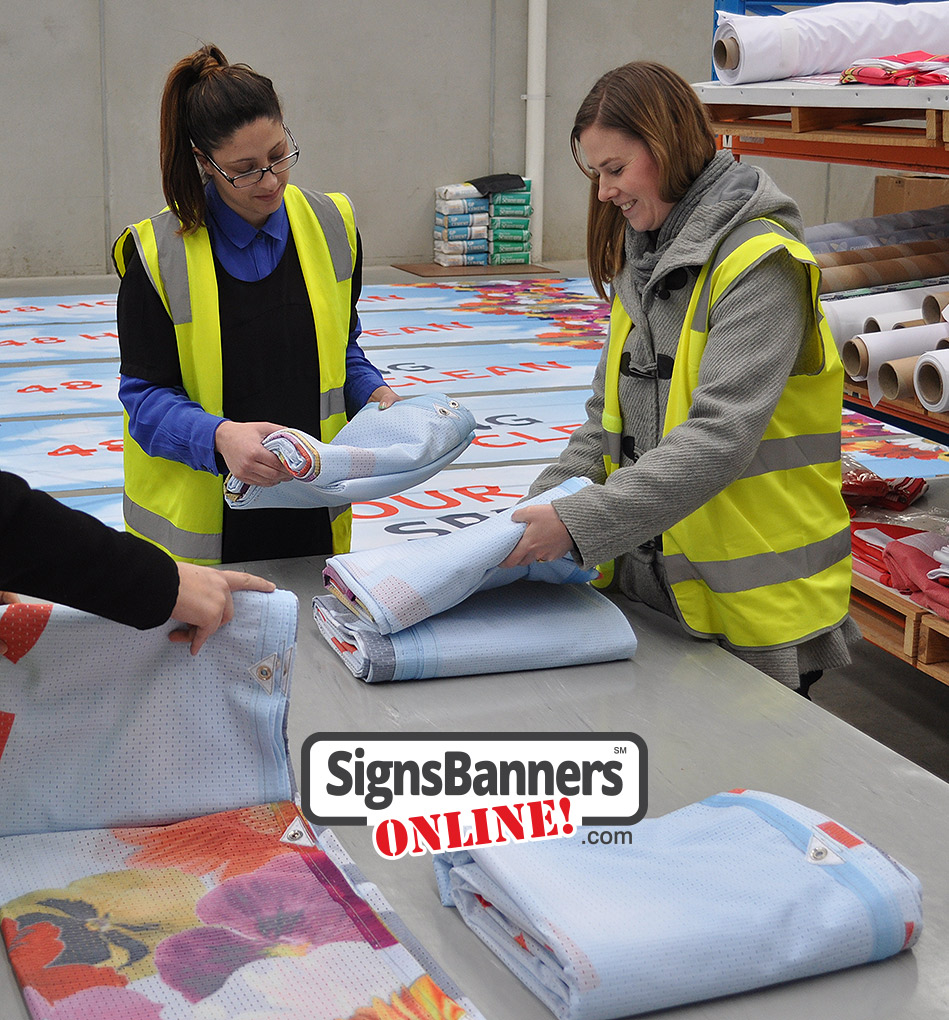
{"x": 765, "y": 562}
{"x": 169, "y": 503}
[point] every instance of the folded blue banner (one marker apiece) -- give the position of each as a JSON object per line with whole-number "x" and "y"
{"x": 526, "y": 625}
{"x": 378, "y": 453}
{"x": 739, "y": 891}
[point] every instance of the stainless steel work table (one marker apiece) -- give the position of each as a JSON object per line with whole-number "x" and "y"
{"x": 711, "y": 723}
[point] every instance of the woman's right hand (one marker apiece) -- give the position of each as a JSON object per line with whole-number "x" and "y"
{"x": 240, "y": 444}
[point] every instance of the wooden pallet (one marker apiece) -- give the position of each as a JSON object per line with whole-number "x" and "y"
{"x": 888, "y": 137}
{"x": 887, "y": 620}
{"x": 933, "y": 648}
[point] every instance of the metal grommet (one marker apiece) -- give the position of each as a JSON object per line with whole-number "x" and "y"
{"x": 264, "y": 673}
{"x": 818, "y": 853}
{"x": 295, "y": 835}
{"x": 454, "y": 403}
{"x": 442, "y": 410}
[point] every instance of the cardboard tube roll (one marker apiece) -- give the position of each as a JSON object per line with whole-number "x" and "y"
{"x": 896, "y": 378}
{"x": 882, "y": 322}
{"x": 864, "y": 354}
{"x": 855, "y": 358}
{"x": 909, "y": 322}
{"x": 943, "y": 344}
{"x": 880, "y": 253}
{"x": 933, "y": 305}
{"x": 877, "y": 274}
{"x": 931, "y": 381}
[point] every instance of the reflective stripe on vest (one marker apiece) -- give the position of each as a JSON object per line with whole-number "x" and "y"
{"x": 170, "y": 504}
{"x": 765, "y": 562}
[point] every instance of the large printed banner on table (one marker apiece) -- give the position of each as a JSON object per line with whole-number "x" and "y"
{"x": 87, "y": 341}
{"x": 487, "y": 368}
{"x": 57, "y": 456}
{"x": 550, "y": 292}
{"x": 77, "y": 390}
{"x": 454, "y": 499}
{"x": 86, "y": 308}
{"x": 889, "y": 451}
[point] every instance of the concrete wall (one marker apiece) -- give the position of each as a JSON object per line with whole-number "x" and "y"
{"x": 386, "y": 98}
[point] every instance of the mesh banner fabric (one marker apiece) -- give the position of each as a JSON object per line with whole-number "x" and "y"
{"x": 739, "y": 891}
{"x": 526, "y": 625}
{"x": 116, "y": 902}
{"x": 397, "y": 586}
{"x": 247, "y": 913}
{"x": 128, "y": 719}
{"x": 375, "y": 454}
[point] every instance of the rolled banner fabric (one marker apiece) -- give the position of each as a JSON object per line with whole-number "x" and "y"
{"x": 931, "y": 380}
{"x": 100, "y": 705}
{"x": 863, "y": 354}
{"x": 880, "y": 253}
{"x": 895, "y": 378}
{"x": 376, "y": 454}
{"x": 397, "y": 586}
{"x": 526, "y": 625}
{"x": 741, "y": 890}
{"x": 847, "y": 316}
{"x": 934, "y": 306}
{"x": 822, "y": 40}
{"x": 867, "y": 227}
{"x": 878, "y": 273}
{"x": 928, "y": 232}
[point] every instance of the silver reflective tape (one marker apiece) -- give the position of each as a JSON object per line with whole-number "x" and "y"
{"x": 791, "y": 452}
{"x": 190, "y": 545}
{"x": 334, "y": 229}
{"x": 747, "y": 572}
{"x": 332, "y": 402}
{"x": 173, "y": 266}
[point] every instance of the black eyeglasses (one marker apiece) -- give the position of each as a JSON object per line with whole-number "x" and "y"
{"x": 252, "y": 177}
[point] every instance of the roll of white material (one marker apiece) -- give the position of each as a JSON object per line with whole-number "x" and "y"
{"x": 822, "y": 40}
{"x": 847, "y": 316}
{"x": 931, "y": 381}
{"x": 887, "y": 346}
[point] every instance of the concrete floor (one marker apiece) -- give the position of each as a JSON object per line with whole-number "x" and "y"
{"x": 887, "y": 699}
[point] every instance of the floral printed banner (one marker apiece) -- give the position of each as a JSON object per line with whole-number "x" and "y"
{"x": 242, "y": 914}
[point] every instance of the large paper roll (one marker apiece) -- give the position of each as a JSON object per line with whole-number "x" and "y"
{"x": 880, "y": 253}
{"x": 931, "y": 381}
{"x": 846, "y": 316}
{"x": 867, "y": 227}
{"x": 896, "y": 378}
{"x": 822, "y": 40}
{"x": 863, "y": 355}
{"x": 876, "y": 274}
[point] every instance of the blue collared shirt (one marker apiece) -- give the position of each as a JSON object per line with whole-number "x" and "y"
{"x": 163, "y": 420}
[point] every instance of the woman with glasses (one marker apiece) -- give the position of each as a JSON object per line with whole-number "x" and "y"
{"x": 236, "y": 317}
{"x": 714, "y": 425}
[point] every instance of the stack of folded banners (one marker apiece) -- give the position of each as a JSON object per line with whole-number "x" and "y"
{"x": 393, "y": 616}
{"x": 739, "y": 891}
{"x": 374, "y": 455}
{"x": 916, "y": 566}
{"x": 115, "y": 900}
{"x": 867, "y": 542}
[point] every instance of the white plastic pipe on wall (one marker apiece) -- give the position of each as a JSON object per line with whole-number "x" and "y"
{"x": 536, "y": 98}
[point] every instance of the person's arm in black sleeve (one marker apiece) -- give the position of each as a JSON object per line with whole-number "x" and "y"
{"x": 50, "y": 551}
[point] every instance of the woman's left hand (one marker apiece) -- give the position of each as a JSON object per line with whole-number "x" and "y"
{"x": 384, "y": 396}
{"x": 544, "y": 538}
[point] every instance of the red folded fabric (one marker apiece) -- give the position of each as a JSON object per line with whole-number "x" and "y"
{"x": 916, "y": 68}
{"x": 908, "y": 568}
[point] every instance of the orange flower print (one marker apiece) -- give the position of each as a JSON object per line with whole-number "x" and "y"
{"x": 33, "y": 952}
{"x": 228, "y": 844}
{"x": 423, "y": 1000}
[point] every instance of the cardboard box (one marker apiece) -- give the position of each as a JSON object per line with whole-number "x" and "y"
{"x": 894, "y": 193}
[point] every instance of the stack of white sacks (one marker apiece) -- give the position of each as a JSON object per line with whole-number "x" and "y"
{"x": 473, "y": 230}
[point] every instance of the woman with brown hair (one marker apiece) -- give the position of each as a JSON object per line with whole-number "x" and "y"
{"x": 714, "y": 425}
{"x": 236, "y": 312}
